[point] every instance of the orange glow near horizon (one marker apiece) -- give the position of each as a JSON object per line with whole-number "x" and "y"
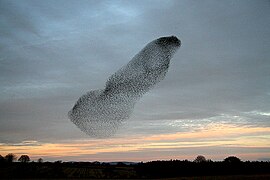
{"x": 212, "y": 136}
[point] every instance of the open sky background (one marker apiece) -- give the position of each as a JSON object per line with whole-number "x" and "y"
{"x": 215, "y": 100}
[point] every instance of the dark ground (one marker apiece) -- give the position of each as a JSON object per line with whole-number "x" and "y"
{"x": 171, "y": 170}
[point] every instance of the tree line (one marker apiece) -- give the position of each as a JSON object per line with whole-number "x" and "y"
{"x": 25, "y": 159}
{"x": 9, "y": 158}
{"x": 200, "y": 166}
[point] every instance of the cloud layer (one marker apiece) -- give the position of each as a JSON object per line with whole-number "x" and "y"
{"x": 53, "y": 51}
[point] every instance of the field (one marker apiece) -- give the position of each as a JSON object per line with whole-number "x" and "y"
{"x": 170, "y": 170}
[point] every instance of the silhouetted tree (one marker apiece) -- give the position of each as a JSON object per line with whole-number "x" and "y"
{"x": 10, "y": 157}
{"x": 2, "y": 159}
{"x": 24, "y": 158}
{"x": 40, "y": 160}
{"x": 232, "y": 159}
{"x": 200, "y": 159}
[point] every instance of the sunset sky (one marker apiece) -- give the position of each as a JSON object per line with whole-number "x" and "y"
{"x": 214, "y": 101}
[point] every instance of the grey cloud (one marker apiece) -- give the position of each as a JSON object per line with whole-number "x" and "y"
{"x": 223, "y": 65}
{"x": 54, "y": 51}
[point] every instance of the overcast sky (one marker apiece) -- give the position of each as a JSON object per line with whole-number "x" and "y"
{"x": 53, "y": 51}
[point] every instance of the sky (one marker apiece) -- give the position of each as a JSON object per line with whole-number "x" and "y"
{"x": 214, "y": 101}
